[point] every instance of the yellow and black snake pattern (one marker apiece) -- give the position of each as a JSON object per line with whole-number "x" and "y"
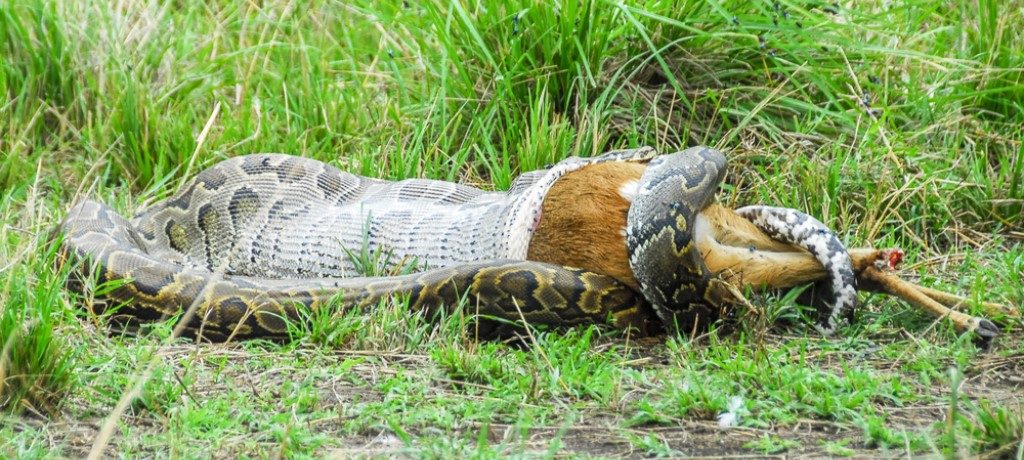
{"x": 258, "y": 241}
{"x": 501, "y": 292}
{"x": 659, "y": 237}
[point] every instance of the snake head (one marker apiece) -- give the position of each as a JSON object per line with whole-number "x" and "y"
{"x": 659, "y": 235}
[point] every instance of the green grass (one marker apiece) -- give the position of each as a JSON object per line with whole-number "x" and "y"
{"x": 897, "y": 123}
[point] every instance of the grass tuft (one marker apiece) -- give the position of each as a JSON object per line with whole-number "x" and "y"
{"x": 36, "y": 368}
{"x": 896, "y": 123}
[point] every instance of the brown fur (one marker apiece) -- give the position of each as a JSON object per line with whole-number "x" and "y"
{"x": 733, "y": 230}
{"x": 583, "y": 219}
{"x": 584, "y": 216}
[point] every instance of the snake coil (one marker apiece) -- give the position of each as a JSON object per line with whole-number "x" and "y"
{"x": 257, "y": 241}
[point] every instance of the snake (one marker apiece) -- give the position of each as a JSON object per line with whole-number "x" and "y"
{"x": 258, "y": 242}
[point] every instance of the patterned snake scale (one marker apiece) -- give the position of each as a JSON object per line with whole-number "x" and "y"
{"x": 260, "y": 240}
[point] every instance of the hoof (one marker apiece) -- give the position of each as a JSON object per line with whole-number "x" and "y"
{"x": 985, "y": 330}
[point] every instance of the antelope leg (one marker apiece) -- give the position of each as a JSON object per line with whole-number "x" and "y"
{"x": 888, "y": 259}
{"x": 955, "y": 301}
{"x": 912, "y": 294}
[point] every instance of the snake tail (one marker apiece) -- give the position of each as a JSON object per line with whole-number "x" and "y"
{"x": 797, "y": 228}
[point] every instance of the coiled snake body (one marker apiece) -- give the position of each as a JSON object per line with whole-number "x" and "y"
{"x": 256, "y": 241}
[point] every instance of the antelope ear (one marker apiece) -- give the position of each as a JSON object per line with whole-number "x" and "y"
{"x": 721, "y": 293}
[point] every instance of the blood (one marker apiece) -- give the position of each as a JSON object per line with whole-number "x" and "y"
{"x": 894, "y": 256}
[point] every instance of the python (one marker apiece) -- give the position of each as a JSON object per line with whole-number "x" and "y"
{"x": 630, "y": 239}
